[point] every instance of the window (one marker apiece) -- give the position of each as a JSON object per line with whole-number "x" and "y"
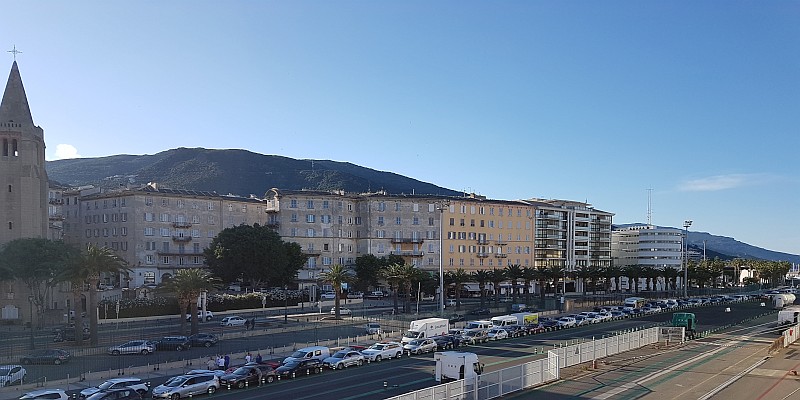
{"x": 149, "y": 231}
{"x": 211, "y": 233}
{"x": 380, "y": 220}
{"x": 105, "y": 232}
{"x": 179, "y": 202}
{"x": 381, "y": 206}
{"x": 398, "y": 221}
{"x": 430, "y": 221}
{"x": 164, "y": 217}
{"x": 164, "y": 232}
{"x": 164, "y": 202}
{"x": 293, "y": 203}
{"x": 165, "y": 260}
{"x": 325, "y": 204}
{"x": 293, "y": 218}
{"x": 310, "y": 232}
{"x": 123, "y": 231}
{"x": 310, "y": 204}
{"x": 165, "y": 247}
{"x": 244, "y": 208}
{"x": 148, "y": 259}
{"x": 310, "y": 218}
{"x": 397, "y": 206}
{"x": 210, "y": 205}
{"x": 415, "y": 221}
{"x": 211, "y": 220}
{"x": 148, "y": 201}
{"x": 123, "y": 217}
{"x": 122, "y": 202}
{"x": 230, "y": 207}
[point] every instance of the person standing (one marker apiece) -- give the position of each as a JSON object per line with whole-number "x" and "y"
{"x": 211, "y": 363}
{"x": 221, "y": 363}
{"x": 227, "y": 360}
{"x": 258, "y": 358}
{"x": 247, "y": 358}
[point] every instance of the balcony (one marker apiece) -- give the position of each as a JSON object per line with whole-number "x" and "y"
{"x": 500, "y": 255}
{"x": 408, "y": 253}
{"x": 56, "y": 202}
{"x": 312, "y": 252}
{"x": 180, "y": 238}
{"x": 182, "y": 224}
{"x": 500, "y": 242}
{"x": 272, "y": 206}
{"x": 483, "y": 241}
{"x": 483, "y": 255}
{"x": 178, "y": 253}
{"x": 405, "y": 240}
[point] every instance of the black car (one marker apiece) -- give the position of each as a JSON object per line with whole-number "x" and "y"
{"x": 250, "y": 374}
{"x": 480, "y": 311}
{"x": 299, "y": 367}
{"x": 178, "y": 343}
{"x": 445, "y": 342}
{"x": 548, "y": 324}
{"x": 456, "y": 318}
{"x": 515, "y": 330}
{"x": 46, "y": 356}
{"x": 203, "y": 339}
{"x": 68, "y": 334}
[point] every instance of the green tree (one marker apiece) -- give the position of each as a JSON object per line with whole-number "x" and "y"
{"x": 99, "y": 261}
{"x": 187, "y": 285}
{"x": 542, "y": 277}
{"x": 337, "y": 276}
{"x": 458, "y": 278}
{"x": 671, "y": 277}
{"x": 611, "y": 273}
{"x": 584, "y": 274}
{"x": 367, "y": 272}
{"x": 394, "y": 275}
{"x": 38, "y": 264}
{"x": 556, "y": 273}
{"x": 76, "y": 275}
{"x": 255, "y": 254}
{"x": 528, "y": 275}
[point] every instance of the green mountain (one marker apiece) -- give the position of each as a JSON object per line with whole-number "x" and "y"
{"x": 239, "y": 172}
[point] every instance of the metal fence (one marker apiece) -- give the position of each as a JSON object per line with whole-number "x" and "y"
{"x": 499, "y": 383}
{"x": 791, "y": 335}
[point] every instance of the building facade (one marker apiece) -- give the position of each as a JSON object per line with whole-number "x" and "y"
{"x": 648, "y": 246}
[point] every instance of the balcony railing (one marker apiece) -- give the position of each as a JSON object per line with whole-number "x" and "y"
{"x": 182, "y": 224}
{"x": 179, "y": 238}
{"x": 483, "y": 255}
{"x": 483, "y": 241}
{"x": 408, "y": 253}
{"x": 500, "y": 255}
{"x": 312, "y": 252}
{"x": 407, "y": 240}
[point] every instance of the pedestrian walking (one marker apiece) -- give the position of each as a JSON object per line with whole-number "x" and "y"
{"x": 211, "y": 363}
{"x": 258, "y": 358}
{"x": 247, "y": 324}
{"x": 253, "y": 323}
{"x": 221, "y": 363}
{"x": 227, "y": 360}
{"x": 247, "y": 358}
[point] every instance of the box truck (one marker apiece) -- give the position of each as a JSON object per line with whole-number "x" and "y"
{"x": 522, "y": 319}
{"x": 454, "y": 365}
{"x": 426, "y": 328}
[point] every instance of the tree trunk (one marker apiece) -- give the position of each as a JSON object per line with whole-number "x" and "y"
{"x": 195, "y": 317}
{"x": 91, "y": 310}
{"x": 496, "y": 294}
{"x": 78, "y": 310}
{"x": 514, "y": 290}
{"x": 184, "y": 304}
{"x": 458, "y": 297}
{"x": 337, "y": 301}
{"x": 482, "y": 288}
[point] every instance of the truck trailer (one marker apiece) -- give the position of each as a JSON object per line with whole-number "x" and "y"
{"x": 426, "y": 328}
{"x": 454, "y": 365}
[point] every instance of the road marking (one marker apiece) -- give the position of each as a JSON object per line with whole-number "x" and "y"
{"x": 731, "y": 380}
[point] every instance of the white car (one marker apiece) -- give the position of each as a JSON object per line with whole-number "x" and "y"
{"x": 11, "y": 374}
{"x": 383, "y": 350}
{"x": 429, "y": 297}
{"x": 328, "y": 296}
{"x": 373, "y": 328}
{"x": 497, "y": 334}
{"x": 209, "y": 316}
{"x": 343, "y": 359}
{"x": 566, "y": 322}
{"x": 133, "y": 347}
{"x": 605, "y": 316}
{"x": 117, "y": 383}
{"x": 419, "y": 346}
{"x": 232, "y": 321}
{"x": 56, "y": 394}
{"x": 342, "y": 311}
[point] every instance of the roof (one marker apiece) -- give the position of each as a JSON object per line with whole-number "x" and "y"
{"x": 14, "y": 106}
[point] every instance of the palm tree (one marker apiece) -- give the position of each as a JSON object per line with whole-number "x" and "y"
{"x": 556, "y": 272}
{"x": 394, "y": 276}
{"x": 482, "y": 276}
{"x": 410, "y": 274}
{"x": 458, "y": 277}
{"x": 338, "y": 275}
{"x": 514, "y": 272}
{"x": 649, "y": 274}
{"x": 496, "y": 276}
{"x": 633, "y": 273}
{"x": 583, "y": 273}
{"x": 528, "y": 275}
{"x": 98, "y": 261}
{"x": 542, "y": 276}
{"x": 188, "y": 284}
{"x": 671, "y": 276}
{"x": 74, "y": 273}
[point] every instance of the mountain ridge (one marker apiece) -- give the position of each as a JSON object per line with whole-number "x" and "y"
{"x": 243, "y": 172}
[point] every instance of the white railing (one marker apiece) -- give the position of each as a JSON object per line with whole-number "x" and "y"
{"x": 791, "y": 335}
{"x": 508, "y": 380}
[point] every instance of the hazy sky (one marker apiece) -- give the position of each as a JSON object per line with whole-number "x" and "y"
{"x": 580, "y": 100}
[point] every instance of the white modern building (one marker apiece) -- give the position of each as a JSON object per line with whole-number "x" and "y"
{"x": 647, "y": 246}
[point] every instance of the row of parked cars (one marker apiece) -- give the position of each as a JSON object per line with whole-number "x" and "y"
{"x": 176, "y": 343}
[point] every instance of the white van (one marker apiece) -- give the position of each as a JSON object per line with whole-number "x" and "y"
{"x": 318, "y": 352}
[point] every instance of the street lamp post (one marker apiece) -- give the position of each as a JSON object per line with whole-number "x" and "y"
{"x": 441, "y": 208}
{"x": 30, "y": 303}
{"x": 285, "y": 304}
{"x": 686, "y": 224}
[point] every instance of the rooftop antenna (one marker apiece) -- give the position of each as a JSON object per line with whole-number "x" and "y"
{"x": 649, "y": 207}
{"x": 14, "y": 51}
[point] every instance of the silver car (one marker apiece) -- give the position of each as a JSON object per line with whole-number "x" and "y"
{"x": 187, "y": 386}
{"x": 419, "y": 346}
{"x": 133, "y": 347}
{"x": 343, "y": 359}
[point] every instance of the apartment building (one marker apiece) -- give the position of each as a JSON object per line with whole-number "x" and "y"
{"x": 649, "y": 246}
{"x": 156, "y": 230}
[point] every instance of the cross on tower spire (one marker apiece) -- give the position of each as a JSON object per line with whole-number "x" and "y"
{"x": 14, "y": 51}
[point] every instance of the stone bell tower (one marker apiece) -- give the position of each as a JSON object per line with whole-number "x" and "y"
{"x": 23, "y": 178}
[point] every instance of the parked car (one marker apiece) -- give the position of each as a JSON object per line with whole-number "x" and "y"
{"x": 343, "y": 359}
{"x": 480, "y": 311}
{"x": 46, "y": 356}
{"x": 67, "y": 334}
{"x": 446, "y": 342}
{"x": 567, "y": 322}
{"x": 299, "y": 367}
{"x": 427, "y": 297}
{"x": 373, "y": 328}
{"x": 342, "y": 311}
{"x": 383, "y": 350}
{"x": 497, "y": 334}
{"x": 177, "y": 343}
{"x": 11, "y": 374}
{"x": 133, "y": 347}
{"x": 116, "y": 394}
{"x": 248, "y": 375}
{"x": 234, "y": 320}
{"x": 117, "y": 383}
{"x": 419, "y": 346}
{"x": 455, "y": 318}
{"x": 474, "y": 336}
{"x": 618, "y": 314}
{"x": 328, "y": 296}
{"x": 581, "y": 320}
{"x": 515, "y": 330}
{"x": 203, "y": 339}
{"x": 209, "y": 315}
{"x": 355, "y": 295}
{"x": 187, "y": 386}
{"x": 531, "y": 329}
{"x": 49, "y": 394}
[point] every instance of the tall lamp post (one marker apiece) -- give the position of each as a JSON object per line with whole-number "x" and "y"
{"x": 441, "y": 208}
{"x": 686, "y": 224}
{"x": 30, "y": 303}
{"x": 285, "y": 304}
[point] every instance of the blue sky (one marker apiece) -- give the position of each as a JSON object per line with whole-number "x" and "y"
{"x": 579, "y": 100}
